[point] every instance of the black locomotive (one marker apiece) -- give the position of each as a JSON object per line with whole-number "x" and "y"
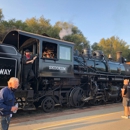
{"x": 63, "y": 77}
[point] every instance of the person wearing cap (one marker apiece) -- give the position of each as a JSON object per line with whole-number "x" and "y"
{"x": 28, "y": 73}
{"x": 126, "y": 99}
{"x": 7, "y": 103}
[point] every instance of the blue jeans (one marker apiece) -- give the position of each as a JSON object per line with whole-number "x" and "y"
{"x": 4, "y": 122}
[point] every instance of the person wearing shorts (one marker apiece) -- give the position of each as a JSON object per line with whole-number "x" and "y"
{"x": 126, "y": 99}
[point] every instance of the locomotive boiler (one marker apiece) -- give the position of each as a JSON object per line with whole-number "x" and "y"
{"x": 65, "y": 77}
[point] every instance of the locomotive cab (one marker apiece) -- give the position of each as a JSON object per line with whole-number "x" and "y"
{"x": 55, "y": 57}
{"x": 54, "y": 64}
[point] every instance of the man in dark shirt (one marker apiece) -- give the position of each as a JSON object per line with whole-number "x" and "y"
{"x": 7, "y": 103}
{"x": 28, "y": 73}
{"x": 126, "y": 99}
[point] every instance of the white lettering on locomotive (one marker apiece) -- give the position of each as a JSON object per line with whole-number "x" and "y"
{"x": 5, "y": 71}
{"x": 56, "y": 68}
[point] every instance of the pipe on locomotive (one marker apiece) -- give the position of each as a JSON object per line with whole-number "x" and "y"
{"x": 120, "y": 59}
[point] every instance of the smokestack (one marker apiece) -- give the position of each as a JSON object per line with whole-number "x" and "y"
{"x": 118, "y": 55}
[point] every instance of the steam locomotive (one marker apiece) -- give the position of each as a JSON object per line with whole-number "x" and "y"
{"x": 65, "y": 78}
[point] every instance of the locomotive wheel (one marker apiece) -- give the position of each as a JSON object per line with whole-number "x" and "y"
{"x": 48, "y": 104}
{"x": 76, "y": 96}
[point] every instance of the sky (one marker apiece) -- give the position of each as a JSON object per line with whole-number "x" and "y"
{"x": 96, "y": 19}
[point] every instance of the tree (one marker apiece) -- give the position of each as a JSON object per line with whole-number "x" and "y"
{"x": 14, "y": 24}
{"x": 1, "y": 25}
{"x": 65, "y": 29}
{"x": 112, "y": 45}
{"x": 1, "y": 15}
{"x": 95, "y": 46}
{"x": 71, "y": 33}
{"x": 53, "y": 32}
{"x": 11, "y": 25}
{"x": 38, "y": 26}
{"x": 79, "y": 40}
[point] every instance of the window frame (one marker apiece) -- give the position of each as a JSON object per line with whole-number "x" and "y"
{"x": 70, "y": 56}
{"x": 42, "y": 45}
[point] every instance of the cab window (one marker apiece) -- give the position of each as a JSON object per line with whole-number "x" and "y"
{"x": 49, "y": 50}
{"x": 65, "y": 53}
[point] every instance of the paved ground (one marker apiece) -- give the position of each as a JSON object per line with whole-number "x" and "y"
{"x": 106, "y": 117}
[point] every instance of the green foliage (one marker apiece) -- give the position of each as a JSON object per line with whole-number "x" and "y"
{"x": 71, "y": 33}
{"x": 95, "y": 46}
{"x": 38, "y": 26}
{"x": 2, "y": 31}
{"x": 14, "y": 24}
{"x": 53, "y": 32}
{"x": 112, "y": 45}
{"x": 1, "y": 25}
{"x": 79, "y": 40}
{"x": 1, "y": 15}
{"x": 65, "y": 31}
{"x": 61, "y": 30}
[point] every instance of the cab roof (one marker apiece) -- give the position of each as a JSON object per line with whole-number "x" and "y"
{"x": 18, "y": 37}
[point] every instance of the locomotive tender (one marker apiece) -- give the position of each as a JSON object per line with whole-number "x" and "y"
{"x": 66, "y": 77}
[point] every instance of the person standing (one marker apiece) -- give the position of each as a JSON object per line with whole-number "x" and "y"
{"x": 7, "y": 103}
{"x": 28, "y": 73}
{"x": 126, "y": 99}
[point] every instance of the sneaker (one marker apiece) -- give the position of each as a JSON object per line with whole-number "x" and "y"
{"x": 125, "y": 117}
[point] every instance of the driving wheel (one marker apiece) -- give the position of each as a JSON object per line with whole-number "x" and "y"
{"x": 75, "y": 97}
{"x": 48, "y": 104}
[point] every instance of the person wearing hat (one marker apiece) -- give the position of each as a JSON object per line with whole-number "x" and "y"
{"x": 28, "y": 73}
